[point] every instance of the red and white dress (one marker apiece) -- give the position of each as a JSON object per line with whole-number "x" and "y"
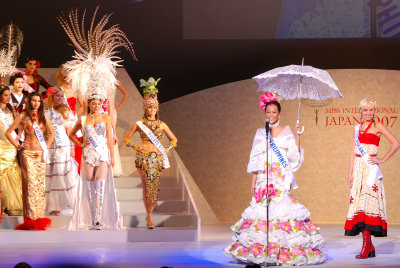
{"x": 367, "y": 208}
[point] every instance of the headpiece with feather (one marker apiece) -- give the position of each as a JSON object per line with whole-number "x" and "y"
{"x": 11, "y": 39}
{"x": 93, "y": 68}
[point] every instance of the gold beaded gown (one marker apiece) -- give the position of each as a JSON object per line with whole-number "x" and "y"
{"x": 10, "y": 174}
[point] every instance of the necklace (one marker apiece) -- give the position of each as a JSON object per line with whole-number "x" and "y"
{"x": 65, "y": 90}
{"x": 274, "y": 124}
{"x": 93, "y": 116}
{"x": 152, "y": 124}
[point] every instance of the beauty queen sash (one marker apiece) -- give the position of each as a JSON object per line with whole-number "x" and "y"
{"x": 90, "y": 133}
{"x": 289, "y": 176}
{"x": 156, "y": 143}
{"x": 42, "y": 142}
{"x": 7, "y": 122}
{"x": 374, "y": 170}
{"x": 57, "y": 138}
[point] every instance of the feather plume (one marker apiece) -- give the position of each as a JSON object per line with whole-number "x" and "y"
{"x": 11, "y": 39}
{"x": 93, "y": 68}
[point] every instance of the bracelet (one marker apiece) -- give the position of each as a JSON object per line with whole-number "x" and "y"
{"x": 172, "y": 144}
{"x": 128, "y": 143}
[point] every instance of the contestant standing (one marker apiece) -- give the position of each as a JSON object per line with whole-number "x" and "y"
{"x": 18, "y": 93}
{"x": 62, "y": 170}
{"x": 35, "y": 80}
{"x": 96, "y": 205}
{"x": 70, "y": 99}
{"x": 33, "y": 161}
{"x": 150, "y": 155}
{"x": 117, "y": 169}
{"x": 10, "y": 172}
{"x": 367, "y": 210}
{"x": 293, "y": 238}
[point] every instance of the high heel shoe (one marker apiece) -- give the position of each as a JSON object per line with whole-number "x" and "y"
{"x": 366, "y": 248}
{"x": 149, "y": 224}
{"x": 372, "y": 251}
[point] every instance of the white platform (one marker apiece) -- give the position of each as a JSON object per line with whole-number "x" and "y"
{"x": 207, "y": 253}
{"x": 173, "y": 221}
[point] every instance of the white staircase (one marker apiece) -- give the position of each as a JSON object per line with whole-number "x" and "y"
{"x": 174, "y": 208}
{"x": 175, "y": 220}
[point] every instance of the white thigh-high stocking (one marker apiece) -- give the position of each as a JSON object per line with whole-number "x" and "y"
{"x": 99, "y": 203}
{"x": 92, "y": 201}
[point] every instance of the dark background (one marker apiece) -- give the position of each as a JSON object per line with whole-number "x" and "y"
{"x": 185, "y": 66}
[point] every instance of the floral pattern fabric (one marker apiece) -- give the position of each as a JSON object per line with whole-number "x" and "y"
{"x": 293, "y": 239}
{"x": 367, "y": 205}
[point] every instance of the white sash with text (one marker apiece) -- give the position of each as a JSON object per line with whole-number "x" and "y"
{"x": 156, "y": 143}
{"x": 7, "y": 122}
{"x": 374, "y": 170}
{"x": 289, "y": 176}
{"x": 42, "y": 141}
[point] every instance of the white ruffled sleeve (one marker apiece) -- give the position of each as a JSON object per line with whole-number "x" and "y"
{"x": 257, "y": 154}
{"x": 293, "y": 155}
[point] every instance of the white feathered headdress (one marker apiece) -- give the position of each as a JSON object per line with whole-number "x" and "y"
{"x": 93, "y": 68}
{"x": 11, "y": 39}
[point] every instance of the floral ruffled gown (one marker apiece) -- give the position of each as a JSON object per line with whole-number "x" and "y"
{"x": 293, "y": 238}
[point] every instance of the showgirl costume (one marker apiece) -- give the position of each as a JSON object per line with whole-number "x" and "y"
{"x": 33, "y": 168}
{"x": 62, "y": 170}
{"x": 92, "y": 71}
{"x": 293, "y": 238}
{"x": 10, "y": 173}
{"x": 367, "y": 208}
{"x": 117, "y": 168}
{"x": 151, "y": 162}
{"x": 96, "y": 201}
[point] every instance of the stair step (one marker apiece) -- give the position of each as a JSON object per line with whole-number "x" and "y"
{"x": 170, "y": 193}
{"x": 137, "y": 207}
{"x": 57, "y": 222}
{"x": 135, "y": 182}
{"x": 160, "y": 220}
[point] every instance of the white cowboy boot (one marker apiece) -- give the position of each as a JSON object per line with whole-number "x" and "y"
{"x": 92, "y": 201}
{"x": 97, "y": 225}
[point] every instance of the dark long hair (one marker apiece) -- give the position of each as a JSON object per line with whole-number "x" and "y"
{"x": 8, "y": 105}
{"x": 29, "y": 110}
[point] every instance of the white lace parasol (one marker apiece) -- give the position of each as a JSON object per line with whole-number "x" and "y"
{"x": 298, "y": 81}
{"x": 316, "y": 84}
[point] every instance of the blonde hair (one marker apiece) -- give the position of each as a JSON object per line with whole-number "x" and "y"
{"x": 366, "y": 102}
{"x": 61, "y": 108}
{"x": 61, "y": 75}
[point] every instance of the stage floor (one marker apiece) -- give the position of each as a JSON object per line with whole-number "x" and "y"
{"x": 339, "y": 250}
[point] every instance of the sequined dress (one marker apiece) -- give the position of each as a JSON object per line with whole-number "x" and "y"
{"x": 367, "y": 207}
{"x": 151, "y": 162}
{"x": 33, "y": 169}
{"x": 293, "y": 238}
